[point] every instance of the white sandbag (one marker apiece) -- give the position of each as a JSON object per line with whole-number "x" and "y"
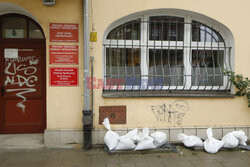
{"x": 160, "y": 138}
{"x": 146, "y": 144}
{"x": 111, "y": 138}
{"x": 190, "y": 141}
{"x": 141, "y": 136}
{"x": 126, "y": 142}
{"x": 230, "y": 141}
{"x": 132, "y": 133}
{"x": 211, "y": 144}
{"x": 241, "y": 136}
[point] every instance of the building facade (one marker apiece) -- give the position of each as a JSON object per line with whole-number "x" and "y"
{"x": 156, "y": 64}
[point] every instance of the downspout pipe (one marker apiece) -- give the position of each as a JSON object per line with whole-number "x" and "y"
{"x": 87, "y": 118}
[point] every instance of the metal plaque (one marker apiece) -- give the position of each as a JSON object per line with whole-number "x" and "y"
{"x": 116, "y": 114}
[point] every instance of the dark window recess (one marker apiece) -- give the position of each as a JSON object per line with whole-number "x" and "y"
{"x": 129, "y": 30}
{"x": 165, "y": 67}
{"x": 166, "y": 28}
{"x": 203, "y": 33}
{"x": 123, "y": 66}
{"x": 19, "y": 27}
{"x": 207, "y": 68}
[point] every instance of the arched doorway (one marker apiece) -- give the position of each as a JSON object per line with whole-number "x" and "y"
{"x": 23, "y": 75}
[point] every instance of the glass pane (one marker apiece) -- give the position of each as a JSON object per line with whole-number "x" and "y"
{"x": 207, "y": 68}
{"x": 14, "y": 27}
{"x": 128, "y": 31}
{"x": 203, "y": 33}
{"x": 123, "y": 66}
{"x": 34, "y": 31}
{"x": 166, "y": 67}
{"x": 166, "y": 28}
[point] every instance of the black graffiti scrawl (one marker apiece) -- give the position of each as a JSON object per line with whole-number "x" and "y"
{"x": 173, "y": 113}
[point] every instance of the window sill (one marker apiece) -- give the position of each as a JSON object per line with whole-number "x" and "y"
{"x": 167, "y": 94}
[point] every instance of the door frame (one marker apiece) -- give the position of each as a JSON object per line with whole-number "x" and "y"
{"x": 24, "y": 44}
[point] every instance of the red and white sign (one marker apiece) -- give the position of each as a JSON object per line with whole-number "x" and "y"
{"x": 63, "y": 54}
{"x": 62, "y": 32}
{"x": 64, "y": 76}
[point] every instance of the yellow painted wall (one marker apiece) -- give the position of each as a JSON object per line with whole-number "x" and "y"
{"x": 64, "y": 104}
{"x": 202, "y": 111}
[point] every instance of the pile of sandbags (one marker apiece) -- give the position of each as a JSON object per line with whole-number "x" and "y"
{"x": 235, "y": 138}
{"x": 134, "y": 139}
{"x": 212, "y": 145}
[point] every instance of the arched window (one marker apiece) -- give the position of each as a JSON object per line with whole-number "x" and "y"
{"x": 166, "y": 52}
{"x": 19, "y": 27}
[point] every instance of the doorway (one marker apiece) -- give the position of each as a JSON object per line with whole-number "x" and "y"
{"x": 23, "y": 75}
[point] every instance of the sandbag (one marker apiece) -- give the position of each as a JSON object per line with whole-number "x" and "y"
{"x": 190, "y": 141}
{"x": 241, "y": 136}
{"x": 211, "y": 144}
{"x": 160, "y": 138}
{"x": 141, "y": 136}
{"x": 126, "y": 142}
{"x": 111, "y": 138}
{"x": 146, "y": 144}
{"x": 230, "y": 141}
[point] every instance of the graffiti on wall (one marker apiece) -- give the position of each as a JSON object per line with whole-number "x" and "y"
{"x": 172, "y": 113}
{"x": 21, "y": 73}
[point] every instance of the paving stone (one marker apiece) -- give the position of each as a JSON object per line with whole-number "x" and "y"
{"x": 207, "y": 156}
{"x": 99, "y": 158}
{"x": 175, "y": 163}
{"x": 71, "y": 158}
{"x": 121, "y": 165}
{"x": 185, "y": 155}
{"x": 2, "y": 160}
{"x": 235, "y": 163}
{"x": 234, "y": 155}
{"x": 206, "y": 163}
{"x": 126, "y": 159}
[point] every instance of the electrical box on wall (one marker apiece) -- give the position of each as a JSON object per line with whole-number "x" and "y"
{"x": 49, "y": 2}
{"x": 93, "y": 36}
{"x": 115, "y": 114}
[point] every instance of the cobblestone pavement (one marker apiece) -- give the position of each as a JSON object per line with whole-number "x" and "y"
{"x": 99, "y": 158}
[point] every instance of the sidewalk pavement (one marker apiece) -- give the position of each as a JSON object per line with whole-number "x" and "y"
{"x": 98, "y": 158}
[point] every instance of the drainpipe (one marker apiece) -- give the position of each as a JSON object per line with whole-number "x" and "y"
{"x": 87, "y": 118}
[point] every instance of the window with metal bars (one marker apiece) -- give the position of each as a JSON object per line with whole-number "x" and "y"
{"x": 166, "y": 53}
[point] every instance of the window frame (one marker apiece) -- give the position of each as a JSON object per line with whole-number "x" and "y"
{"x": 187, "y": 51}
{"x": 28, "y": 21}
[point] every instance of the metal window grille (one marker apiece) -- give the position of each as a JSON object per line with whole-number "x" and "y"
{"x": 49, "y": 2}
{"x": 166, "y": 53}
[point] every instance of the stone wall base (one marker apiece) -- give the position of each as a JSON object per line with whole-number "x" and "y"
{"x": 71, "y": 136}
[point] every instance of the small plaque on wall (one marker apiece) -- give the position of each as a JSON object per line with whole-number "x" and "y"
{"x": 64, "y": 76}
{"x": 63, "y": 32}
{"x": 116, "y": 114}
{"x": 63, "y": 54}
